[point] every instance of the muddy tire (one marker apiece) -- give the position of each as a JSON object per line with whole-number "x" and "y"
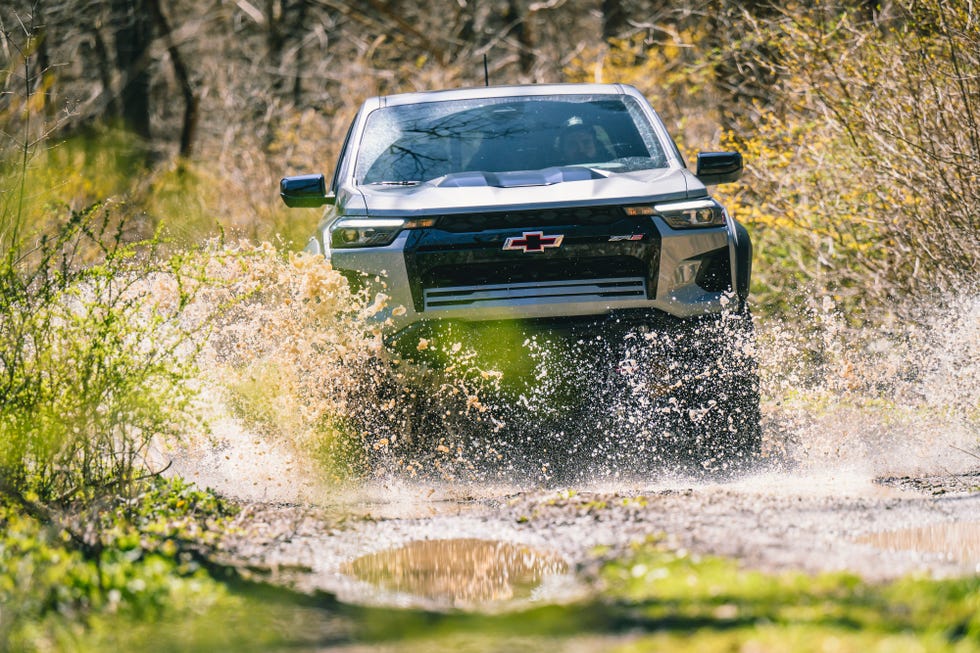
{"x": 721, "y": 398}
{"x": 672, "y": 395}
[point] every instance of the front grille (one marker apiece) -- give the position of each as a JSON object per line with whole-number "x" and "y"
{"x": 475, "y": 222}
{"x": 535, "y": 292}
{"x": 530, "y": 269}
{"x": 448, "y": 269}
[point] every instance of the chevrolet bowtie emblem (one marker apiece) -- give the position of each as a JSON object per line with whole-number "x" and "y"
{"x": 532, "y": 241}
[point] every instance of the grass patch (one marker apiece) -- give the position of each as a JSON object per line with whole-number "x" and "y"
{"x": 143, "y": 563}
{"x": 651, "y": 600}
{"x": 705, "y": 603}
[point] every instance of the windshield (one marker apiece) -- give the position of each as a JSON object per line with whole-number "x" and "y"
{"x": 418, "y": 142}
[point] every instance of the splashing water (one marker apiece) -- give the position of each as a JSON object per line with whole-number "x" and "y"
{"x": 903, "y": 398}
{"x": 294, "y": 359}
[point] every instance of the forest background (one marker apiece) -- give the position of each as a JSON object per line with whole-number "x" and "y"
{"x": 858, "y": 119}
{"x": 132, "y": 131}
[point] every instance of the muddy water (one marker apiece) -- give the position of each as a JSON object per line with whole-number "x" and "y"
{"x": 841, "y": 408}
{"x": 463, "y": 572}
{"x": 870, "y": 435}
{"x": 958, "y": 541}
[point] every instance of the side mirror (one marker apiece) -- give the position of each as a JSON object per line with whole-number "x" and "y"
{"x": 305, "y": 191}
{"x": 719, "y": 167}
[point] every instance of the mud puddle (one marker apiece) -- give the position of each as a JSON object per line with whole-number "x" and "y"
{"x": 864, "y": 433}
{"x": 956, "y": 541}
{"x": 463, "y": 572}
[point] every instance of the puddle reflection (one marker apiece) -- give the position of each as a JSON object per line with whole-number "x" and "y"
{"x": 459, "y": 571}
{"x": 957, "y": 541}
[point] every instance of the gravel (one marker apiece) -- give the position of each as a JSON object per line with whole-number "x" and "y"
{"x": 770, "y": 521}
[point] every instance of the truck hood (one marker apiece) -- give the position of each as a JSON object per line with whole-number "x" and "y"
{"x": 546, "y": 188}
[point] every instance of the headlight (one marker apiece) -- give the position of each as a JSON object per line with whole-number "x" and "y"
{"x": 371, "y": 232}
{"x": 692, "y": 215}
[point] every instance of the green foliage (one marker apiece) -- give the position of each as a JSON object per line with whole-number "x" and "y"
{"x": 731, "y": 608}
{"x": 652, "y": 599}
{"x": 185, "y": 200}
{"x": 145, "y": 568}
{"x": 93, "y": 360}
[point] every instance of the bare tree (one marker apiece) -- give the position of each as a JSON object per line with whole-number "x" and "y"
{"x": 180, "y": 70}
{"x": 133, "y": 35}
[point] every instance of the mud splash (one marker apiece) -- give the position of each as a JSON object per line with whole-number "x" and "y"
{"x": 900, "y": 398}
{"x": 305, "y": 396}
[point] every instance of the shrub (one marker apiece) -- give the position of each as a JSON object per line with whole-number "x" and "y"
{"x": 92, "y": 363}
{"x": 863, "y": 175}
{"x": 147, "y": 567}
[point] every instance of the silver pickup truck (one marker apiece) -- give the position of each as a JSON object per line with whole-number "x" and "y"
{"x": 568, "y": 210}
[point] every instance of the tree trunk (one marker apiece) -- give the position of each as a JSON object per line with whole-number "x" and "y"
{"x": 101, "y": 52}
{"x": 183, "y": 78}
{"x": 298, "y": 33}
{"x": 275, "y": 40}
{"x": 133, "y": 33}
{"x": 517, "y": 16}
{"x": 613, "y": 19}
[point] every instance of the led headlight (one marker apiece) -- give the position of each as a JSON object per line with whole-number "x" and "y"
{"x": 692, "y": 215}
{"x": 371, "y": 232}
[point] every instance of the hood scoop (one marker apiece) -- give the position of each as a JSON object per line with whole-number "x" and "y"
{"x": 518, "y": 178}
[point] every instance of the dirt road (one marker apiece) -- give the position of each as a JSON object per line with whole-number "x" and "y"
{"x": 780, "y": 517}
{"x": 873, "y": 467}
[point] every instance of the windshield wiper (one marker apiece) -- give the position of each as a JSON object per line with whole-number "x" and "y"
{"x": 399, "y": 182}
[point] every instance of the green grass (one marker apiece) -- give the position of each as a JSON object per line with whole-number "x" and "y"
{"x": 652, "y": 600}
{"x": 712, "y": 604}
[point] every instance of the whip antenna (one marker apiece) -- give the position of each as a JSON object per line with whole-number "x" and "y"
{"x": 486, "y": 71}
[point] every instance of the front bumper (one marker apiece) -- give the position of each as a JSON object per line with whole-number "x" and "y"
{"x": 435, "y": 275}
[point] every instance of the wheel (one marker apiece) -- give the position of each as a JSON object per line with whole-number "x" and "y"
{"x": 722, "y": 396}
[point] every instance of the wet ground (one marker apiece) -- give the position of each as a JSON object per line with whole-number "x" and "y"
{"x": 490, "y": 547}
{"x": 850, "y": 482}
{"x": 872, "y": 467}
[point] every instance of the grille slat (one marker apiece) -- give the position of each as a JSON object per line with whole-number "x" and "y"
{"x": 553, "y": 291}
{"x": 529, "y": 270}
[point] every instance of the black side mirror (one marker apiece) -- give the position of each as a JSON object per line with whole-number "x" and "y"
{"x": 719, "y": 167}
{"x": 305, "y": 191}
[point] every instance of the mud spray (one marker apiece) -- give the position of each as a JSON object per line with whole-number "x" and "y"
{"x": 304, "y": 400}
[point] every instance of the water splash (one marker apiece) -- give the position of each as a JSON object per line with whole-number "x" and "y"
{"x": 293, "y": 358}
{"x": 903, "y": 397}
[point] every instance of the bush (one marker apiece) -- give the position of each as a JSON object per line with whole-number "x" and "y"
{"x": 146, "y": 567}
{"x": 863, "y": 171}
{"x": 93, "y": 363}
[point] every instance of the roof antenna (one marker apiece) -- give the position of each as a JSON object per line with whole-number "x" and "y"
{"x": 486, "y": 71}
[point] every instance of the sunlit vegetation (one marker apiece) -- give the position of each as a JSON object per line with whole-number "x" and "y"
{"x": 94, "y": 364}
{"x": 730, "y": 608}
{"x": 864, "y": 173}
{"x": 860, "y": 124}
{"x": 93, "y": 361}
{"x": 652, "y": 598}
{"x": 143, "y": 558}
